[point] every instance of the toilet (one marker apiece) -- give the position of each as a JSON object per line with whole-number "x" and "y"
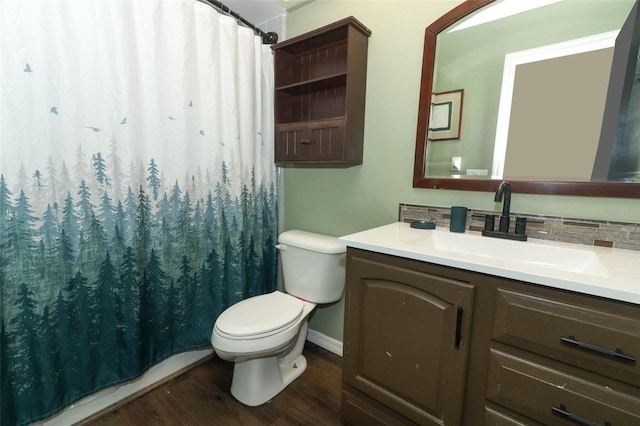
{"x": 264, "y": 335}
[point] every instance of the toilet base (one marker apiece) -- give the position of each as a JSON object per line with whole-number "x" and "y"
{"x": 258, "y": 380}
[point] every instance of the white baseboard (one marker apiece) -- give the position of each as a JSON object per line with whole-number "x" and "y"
{"x": 324, "y": 341}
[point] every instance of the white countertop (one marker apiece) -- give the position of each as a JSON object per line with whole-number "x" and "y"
{"x": 599, "y": 271}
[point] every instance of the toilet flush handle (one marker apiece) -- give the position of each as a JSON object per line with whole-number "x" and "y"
{"x": 281, "y": 247}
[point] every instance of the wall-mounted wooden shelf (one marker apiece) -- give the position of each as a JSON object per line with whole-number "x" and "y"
{"x": 320, "y": 84}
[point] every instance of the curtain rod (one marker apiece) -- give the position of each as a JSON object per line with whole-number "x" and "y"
{"x": 267, "y": 38}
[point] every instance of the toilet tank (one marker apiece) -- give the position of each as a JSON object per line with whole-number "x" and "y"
{"x": 313, "y": 266}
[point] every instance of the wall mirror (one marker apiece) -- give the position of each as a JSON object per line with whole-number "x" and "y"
{"x": 543, "y": 97}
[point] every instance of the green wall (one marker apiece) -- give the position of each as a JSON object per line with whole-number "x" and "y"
{"x": 342, "y": 201}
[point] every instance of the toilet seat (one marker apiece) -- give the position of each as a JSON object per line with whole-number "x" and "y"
{"x": 259, "y": 316}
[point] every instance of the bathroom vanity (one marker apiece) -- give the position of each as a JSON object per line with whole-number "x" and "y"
{"x": 453, "y": 329}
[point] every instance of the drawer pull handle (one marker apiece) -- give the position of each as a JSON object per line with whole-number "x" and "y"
{"x": 562, "y": 410}
{"x": 306, "y": 141}
{"x": 617, "y": 354}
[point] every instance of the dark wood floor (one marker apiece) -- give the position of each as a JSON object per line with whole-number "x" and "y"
{"x": 201, "y": 397}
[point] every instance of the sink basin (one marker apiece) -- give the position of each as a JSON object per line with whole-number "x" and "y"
{"x": 531, "y": 254}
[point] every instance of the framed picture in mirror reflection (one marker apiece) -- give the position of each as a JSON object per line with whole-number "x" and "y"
{"x": 446, "y": 115}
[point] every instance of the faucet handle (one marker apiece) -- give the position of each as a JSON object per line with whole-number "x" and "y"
{"x": 489, "y": 222}
{"x": 521, "y": 225}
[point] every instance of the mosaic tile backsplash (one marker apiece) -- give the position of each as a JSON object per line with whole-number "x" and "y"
{"x": 570, "y": 230}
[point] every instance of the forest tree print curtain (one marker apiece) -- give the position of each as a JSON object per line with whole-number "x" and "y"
{"x": 137, "y": 189}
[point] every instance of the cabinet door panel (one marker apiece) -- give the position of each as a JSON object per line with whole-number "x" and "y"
{"x": 406, "y": 361}
{"x": 326, "y": 140}
{"x": 400, "y": 340}
{"x": 289, "y": 141}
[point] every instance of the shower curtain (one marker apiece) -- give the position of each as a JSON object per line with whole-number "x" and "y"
{"x": 137, "y": 189}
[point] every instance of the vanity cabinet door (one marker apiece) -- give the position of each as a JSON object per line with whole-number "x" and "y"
{"x": 406, "y": 339}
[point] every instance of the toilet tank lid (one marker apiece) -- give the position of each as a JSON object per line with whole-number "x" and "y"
{"x": 311, "y": 241}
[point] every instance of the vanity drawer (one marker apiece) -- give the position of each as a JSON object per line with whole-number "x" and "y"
{"x": 578, "y": 331}
{"x": 549, "y": 395}
{"x": 493, "y": 417}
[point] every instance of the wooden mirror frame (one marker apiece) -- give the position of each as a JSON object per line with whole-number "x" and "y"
{"x": 591, "y": 189}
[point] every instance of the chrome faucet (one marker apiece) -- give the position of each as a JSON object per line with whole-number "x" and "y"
{"x": 504, "y": 189}
{"x": 504, "y": 193}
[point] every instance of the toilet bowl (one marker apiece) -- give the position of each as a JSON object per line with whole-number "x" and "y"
{"x": 264, "y": 335}
{"x": 261, "y": 370}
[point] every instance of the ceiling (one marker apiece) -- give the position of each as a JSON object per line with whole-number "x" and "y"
{"x": 260, "y": 11}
